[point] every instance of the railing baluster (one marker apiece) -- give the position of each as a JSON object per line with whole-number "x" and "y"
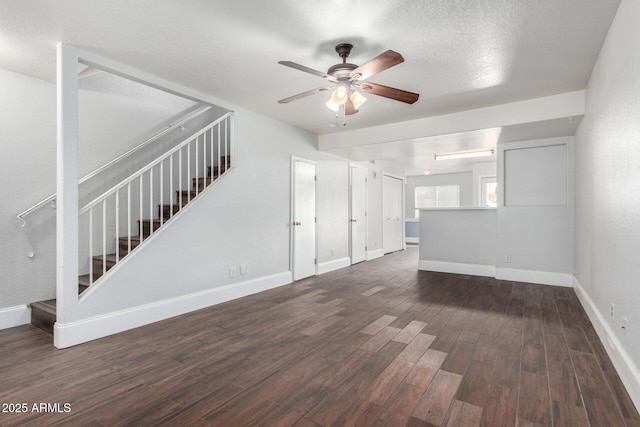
{"x": 204, "y": 159}
{"x": 104, "y": 237}
{"x": 117, "y": 224}
{"x": 219, "y": 152}
{"x": 180, "y": 176}
{"x": 170, "y": 186}
{"x": 150, "y": 201}
{"x": 140, "y": 205}
{"x": 90, "y": 246}
{"x": 161, "y": 213}
{"x": 197, "y": 145}
{"x": 211, "y": 150}
{"x": 188, "y": 170}
{"x": 128, "y": 220}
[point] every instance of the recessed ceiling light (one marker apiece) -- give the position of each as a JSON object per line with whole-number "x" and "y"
{"x": 427, "y": 171}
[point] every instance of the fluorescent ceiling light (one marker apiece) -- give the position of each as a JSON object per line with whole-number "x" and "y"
{"x": 463, "y": 154}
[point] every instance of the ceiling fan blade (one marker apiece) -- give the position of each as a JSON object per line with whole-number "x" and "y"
{"x": 308, "y": 70}
{"x": 349, "y": 108}
{"x": 380, "y": 63}
{"x": 303, "y": 94}
{"x": 389, "y": 92}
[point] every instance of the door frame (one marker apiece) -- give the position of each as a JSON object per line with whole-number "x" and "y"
{"x": 295, "y": 159}
{"x": 403, "y": 179}
{"x": 366, "y": 210}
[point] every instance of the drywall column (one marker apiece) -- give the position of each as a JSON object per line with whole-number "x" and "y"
{"x": 535, "y": 211}
{"x": 67, "y": 184}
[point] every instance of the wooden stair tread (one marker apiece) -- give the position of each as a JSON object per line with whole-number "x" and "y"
{"x": 108, "y": 257}
{"x": 135, "y": 239}
{"x": 155, "y": 220}
{"x": 48, "y": 306}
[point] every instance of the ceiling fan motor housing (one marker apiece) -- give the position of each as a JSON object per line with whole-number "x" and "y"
{"x": 342, "y": 71}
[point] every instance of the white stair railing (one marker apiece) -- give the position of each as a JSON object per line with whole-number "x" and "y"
{"x": 109, "y": 221}
{"x": 51, "y": 200}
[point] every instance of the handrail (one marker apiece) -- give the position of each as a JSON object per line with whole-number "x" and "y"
{"x": 155, "y": 162}
{"x": 177, "y": 124}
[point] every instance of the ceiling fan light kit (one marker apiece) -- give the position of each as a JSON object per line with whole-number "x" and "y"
{"x": 348, "y": 79}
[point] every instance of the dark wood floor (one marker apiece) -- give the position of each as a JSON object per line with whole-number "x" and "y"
{"x": 375, "y": 344}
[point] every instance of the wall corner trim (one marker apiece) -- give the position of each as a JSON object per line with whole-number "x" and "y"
{"x": 457, "y": 267}
{"x": 78, "y": 332}
{"x": 627, "y": 370}
{"x": 14, "y": 316}
{"x": 336, "y": 264}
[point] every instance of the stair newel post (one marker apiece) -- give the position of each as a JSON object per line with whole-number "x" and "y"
{"x": 67, "y": 186}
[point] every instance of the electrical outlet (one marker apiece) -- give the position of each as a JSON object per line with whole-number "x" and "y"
{"x": 243, "y": 269}
{"x": 507, "y": 258}
{"x": 624, "y": 326}
{"x": 612, "y": 310}
{"x": 232, "y": 272}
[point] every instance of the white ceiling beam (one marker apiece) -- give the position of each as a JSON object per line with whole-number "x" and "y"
{"x": 571, "y": 104}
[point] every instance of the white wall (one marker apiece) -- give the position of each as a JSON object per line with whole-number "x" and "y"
{"x": 535, "y": 234}
{"x": 608, "y": 197}
{"x": 463, "y": 179}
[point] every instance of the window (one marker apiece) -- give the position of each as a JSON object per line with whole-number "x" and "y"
{"x": 437, "y": 196}
{"x": 488, "y": 195}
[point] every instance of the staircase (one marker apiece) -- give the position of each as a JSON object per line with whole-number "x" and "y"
{"x": 43, "y": 313}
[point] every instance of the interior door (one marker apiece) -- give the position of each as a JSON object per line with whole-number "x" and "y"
{"x": 358, "y": 218}
{"x": 304, "y": 219}
{"x": 393, "y": 218}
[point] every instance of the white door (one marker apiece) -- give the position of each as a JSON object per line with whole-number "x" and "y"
{"x": 304, "y": 219}
{"x": 358, "y": 214}
{"x": 393, "y": 218}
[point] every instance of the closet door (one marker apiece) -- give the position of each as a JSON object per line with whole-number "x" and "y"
{"x": 393, "y": 221}
{"x": 358, "y": 209}
{"x": 304, "y": 219}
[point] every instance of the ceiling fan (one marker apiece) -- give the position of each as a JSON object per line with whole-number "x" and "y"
{"x": 349, "y": 80}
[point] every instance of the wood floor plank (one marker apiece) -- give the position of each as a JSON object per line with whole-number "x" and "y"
{"x": 463, "y": 414}
{"x": 534, "y": 404}
{"x": 377, "y": 343}
{"x": 434, "y": 405}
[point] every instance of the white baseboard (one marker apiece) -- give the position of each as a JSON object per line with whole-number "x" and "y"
{"x": 534, "y": 276}
{"x": 411, "y": 240}
{"x": 336, "y": 264}
{"x": 516, "y": 275}
{"x": 627, "y": 370}
{"x": 457, "y": 267}
{"x": 375, "y": 254}
{"x": 15, "y": 316}
{"x": 73, "y": 333}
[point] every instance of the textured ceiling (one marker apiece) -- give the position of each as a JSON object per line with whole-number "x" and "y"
{"x": 459, "y": 54}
